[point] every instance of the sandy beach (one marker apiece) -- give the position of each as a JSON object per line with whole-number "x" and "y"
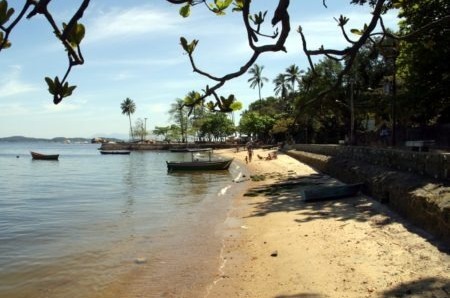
{"x": 276, "y": 245}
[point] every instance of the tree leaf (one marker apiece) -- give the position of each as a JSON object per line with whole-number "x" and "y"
{"x": 356, "y": 31}
{"x": 51, "y": 85}
{"x": 79, "y": 33}
{"x": 7, "y": 43}
{"x": 184, "y": 44}
{"x": 69, "y": 91}
{"x": 238, "y": 5}
{"x": 5, "y": 13}
{"x": 185, "y": 11}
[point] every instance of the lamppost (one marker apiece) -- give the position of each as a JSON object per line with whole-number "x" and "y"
{"x": 351, "y": 107}
{"x": 352, "y": 113}
{"x": 390, "y": 52}
{"x": 145, "y": 128}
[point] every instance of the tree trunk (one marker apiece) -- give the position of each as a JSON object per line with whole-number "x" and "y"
{"x": 131, "y": 128}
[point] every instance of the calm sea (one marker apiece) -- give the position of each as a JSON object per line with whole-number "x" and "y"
{"x": 92, "y": 225}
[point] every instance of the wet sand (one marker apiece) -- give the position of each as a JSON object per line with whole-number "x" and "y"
{"x": 275, "y": 245}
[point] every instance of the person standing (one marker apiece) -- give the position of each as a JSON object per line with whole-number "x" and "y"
{"x": 384, "y": 135}
{"x": 249, "y": 146}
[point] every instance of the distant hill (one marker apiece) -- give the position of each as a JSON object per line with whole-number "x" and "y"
{"x": 53, "y": 140}
{"x": 17, "y": 139}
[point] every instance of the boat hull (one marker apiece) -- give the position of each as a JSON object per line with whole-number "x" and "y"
{"x": 116, "y": 152}
{"x": 40, "y": 156}
{"x": 213, "y": 165}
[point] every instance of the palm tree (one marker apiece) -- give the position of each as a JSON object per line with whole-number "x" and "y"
{"x": 128, "y": 107}
{"x": 293, "y": 75}
{"x": 281, "y": 86}
{"x": 179, "y": 114}
{"x": 257, "y": 80}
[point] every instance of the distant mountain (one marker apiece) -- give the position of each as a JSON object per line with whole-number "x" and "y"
{"x": 53, "y": 140}
{"x": 22, "y": 139}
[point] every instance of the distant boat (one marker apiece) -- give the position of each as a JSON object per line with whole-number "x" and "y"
{"x": 41, "y": 156}
{"x": 120, "y": 152}
{"x": 199, "y": 165}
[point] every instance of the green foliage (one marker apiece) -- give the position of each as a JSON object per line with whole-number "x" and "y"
{"x": 342, "y": 21}
{"x": 191, "y": 98}
{"x": 59, "y": 90}
{"x": 423, "y": 61}
{"x": 185, "y": 11}
{"x": 216, "y": 125}
{"x": 76, "y": 35}
{"x": 282, "y": 125}
{"x": 253, "y": 123}
{"x": 179, "y": 114}
{"x": 188, "y": 47}
{"x": 219, "y": 6}
{"x": 7, "y": 44}
{"x": 128, "y": 107}
{"x": 5, "y": 12}
{"x": 174, "y": 133}
{"x": 258, "y": 18}
{"x": 356, "y": 31}
{"x": 238, "y": 5}
{"x": 161, "y": 130}
{"x": 139, "y": 130}
{"x": 236, "y": 106}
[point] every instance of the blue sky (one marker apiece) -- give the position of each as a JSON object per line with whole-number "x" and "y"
{"x": 131, "y": 49}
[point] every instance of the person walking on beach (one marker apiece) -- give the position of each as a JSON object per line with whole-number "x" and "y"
{"x": 249, "y": 146}
{"x": 384, "y": 135}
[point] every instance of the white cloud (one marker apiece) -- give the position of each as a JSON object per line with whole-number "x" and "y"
{"x": 156, "y": 107}
{"x": 10, "y": 84}
{"x": 14, "y": 109}
{"x": 135, "y": 21}
{"x": 65, "y": 106}
{"x": 140, "y": 62}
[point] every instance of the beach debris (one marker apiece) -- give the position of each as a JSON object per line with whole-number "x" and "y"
{"x": 258, "y": 177}
{"x": 244, "y": 227}
{"x": 274, "y": 253}
{"x": 140, "y": 260}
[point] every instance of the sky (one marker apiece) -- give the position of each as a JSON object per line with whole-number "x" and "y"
{"x": 132, "y": 49}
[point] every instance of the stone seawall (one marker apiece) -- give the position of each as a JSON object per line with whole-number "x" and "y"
{"x": 424, "y": 201}
{"x": 434, "y": 165}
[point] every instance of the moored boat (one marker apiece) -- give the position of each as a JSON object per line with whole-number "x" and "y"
{"x": 120, "y": 152}
{"x": 199, "y": 165}
{"x": 40, "y": 156}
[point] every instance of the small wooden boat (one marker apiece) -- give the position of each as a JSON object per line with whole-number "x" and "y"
{"x": 120, "y": 152}
{"x": 330, "y": 192}
{"x": 199, "y": 165}
{"x": 41, "y": 156}
{"x": 204, "y": 165}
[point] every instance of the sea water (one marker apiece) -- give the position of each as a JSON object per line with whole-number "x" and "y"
{"x": 92, "y": 225}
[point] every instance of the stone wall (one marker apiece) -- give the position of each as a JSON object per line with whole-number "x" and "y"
{"x": 424, "y": 201}
{"x": 435, "y": 165}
